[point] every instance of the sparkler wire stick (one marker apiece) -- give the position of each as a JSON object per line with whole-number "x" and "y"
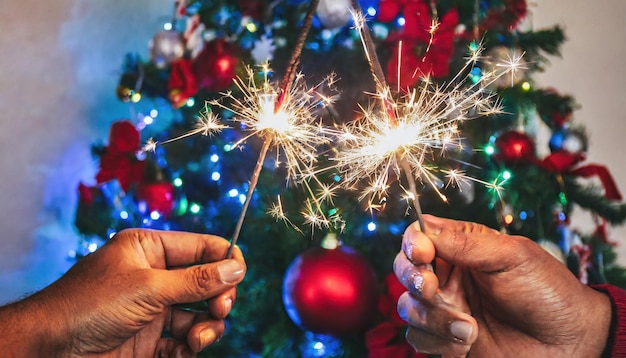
{"x": 295, "y": 55}
{"x": 379, "y": 77}
{"x": 285, "y": 85}
{"x": 368, "y": 43}
{"x": 253, "y": 182}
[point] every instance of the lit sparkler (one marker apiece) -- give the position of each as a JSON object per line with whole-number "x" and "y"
{"x": 282, "y": 116}
{"x": 401, "y": 136}
{"x": 284, "y": 122}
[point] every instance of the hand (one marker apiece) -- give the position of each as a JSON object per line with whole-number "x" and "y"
{"x": 118, "y": 300}
{"x": 494, "y": 295}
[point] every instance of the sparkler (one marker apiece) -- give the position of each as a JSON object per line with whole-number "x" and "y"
{"x": 282, "y": 117}
{"x": 285, "y": 123}
{"x": 399, "y": 136}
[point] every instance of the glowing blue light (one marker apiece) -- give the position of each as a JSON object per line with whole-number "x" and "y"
{"x": 371, "y": 11}
{"x": 371, "y": 226}
{"x": 124, "y": 214}
{"x": 148, "y": 120}
{"x": 562, "y": 216}
{"x": 215, "y": 176}
{"x": 233, "y": 193}
{"x": 167, "y": 26}
{"x": 327, "y": 34}
{"x": 336, "y": 178}
{"x": 242, "y": 198}
{"x": 401, "y": 21}
{"x": 195, "y": 208}
{"x": 214, "y": 158}
{"x": 111, "y": 234}
{"x": 228, "y": 147}
{"x": 523, "y": 215}
{"x": 154, "y": 113}
{"x": 92, "y": 247}
{"x": 190, "y": 102}
{"x": 155, "y": 215}
{"x": 178, "y": 182}
{"x": 318, "y": 346}
{"x": 506, "y": 175}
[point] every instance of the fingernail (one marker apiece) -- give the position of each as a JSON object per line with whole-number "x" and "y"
{"x": 228, "y": 305}
{"x": 208, "y": 336}
{"x": 407, "y": 248}
{"x": 414, "y": 281}
{"x": 230, "y": 271}
{"x": 461, "y": 330}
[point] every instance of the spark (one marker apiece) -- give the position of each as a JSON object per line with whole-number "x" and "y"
{"x": 276, "y": 211}
{"x": 207, "y": 124}
{"x": 402, "y": 135}
{"x": 284, "y": 119}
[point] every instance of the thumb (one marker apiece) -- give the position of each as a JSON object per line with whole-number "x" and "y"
{"x": 474, "y": 245}
{"x": 199, "y": 282}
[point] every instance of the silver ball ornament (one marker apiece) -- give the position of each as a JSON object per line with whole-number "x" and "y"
{"x": 165, "y": 47}
{"x": 334, "y": 13}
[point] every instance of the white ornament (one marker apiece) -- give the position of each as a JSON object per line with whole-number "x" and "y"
{"x": 263, "y": 50}
{"x": 334, "y": 13}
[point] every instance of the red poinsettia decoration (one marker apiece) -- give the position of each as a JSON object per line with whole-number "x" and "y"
{"x": 386, "y": 340}
{"x": 506, "y": 17}
{"x": 158, "y": 196}
{"x": 427, "y": 45}
{"x": 119, "y": 160}
{"x": 182, "y": 83}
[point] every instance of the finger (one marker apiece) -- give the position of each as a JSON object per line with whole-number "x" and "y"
{"x": 220, "y": 306}
{"x": 182, "y": 321}
{"x": 438, "y": 318}
{"x": 428, "y": 343}
{"x": 184, "y": 248}
{"x": 418, "y": 279}
{"x": 472, "y": 245}
{"x": 417, "y": 246}
{"x": 203, "y": 334}
{"x": 167, "y": 347}
{"x": 199, "y": 282}
{"x": 443, "y": 271}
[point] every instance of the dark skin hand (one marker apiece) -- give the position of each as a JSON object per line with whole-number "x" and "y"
{"x": 118, "y": 301}
{"x": 494, "y": 295}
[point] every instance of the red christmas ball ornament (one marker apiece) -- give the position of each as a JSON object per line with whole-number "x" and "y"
{"x": 158, "y": 196}
{"x": 330, "y": 291}
{"x": 513, "y": 147}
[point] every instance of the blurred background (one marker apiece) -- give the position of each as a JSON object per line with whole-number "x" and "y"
{"x": 60, "y": 63}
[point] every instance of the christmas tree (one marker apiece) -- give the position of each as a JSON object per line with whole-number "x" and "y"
{"x": 321, "y": 206}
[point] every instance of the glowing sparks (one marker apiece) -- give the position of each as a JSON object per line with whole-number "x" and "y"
{"x": 208, "y": 124}
{"x": 286, "y": 120}
{"x": 402, "y": 137}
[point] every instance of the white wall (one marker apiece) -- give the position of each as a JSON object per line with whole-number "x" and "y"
{"x": 59, "y": 65}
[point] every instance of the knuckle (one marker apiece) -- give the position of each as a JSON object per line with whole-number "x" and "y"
{"x": 202, "y": 279}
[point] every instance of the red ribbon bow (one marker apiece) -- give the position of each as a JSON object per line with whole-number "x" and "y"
{"x": 562, "y": 162}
